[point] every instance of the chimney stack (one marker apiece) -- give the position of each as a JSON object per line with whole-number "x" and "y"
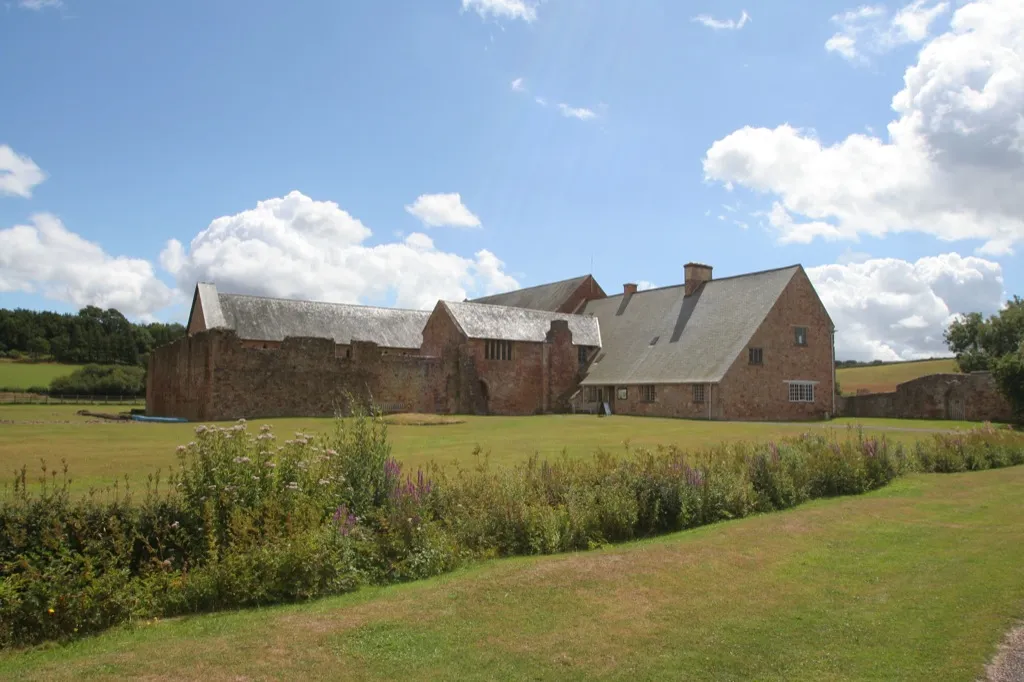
{"x": 695, "y": 275}
{"x": 629, "y": 289}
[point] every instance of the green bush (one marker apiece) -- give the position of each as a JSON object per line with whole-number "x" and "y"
{"x": 124, "y": 380}
{"x": 249, "y": 519}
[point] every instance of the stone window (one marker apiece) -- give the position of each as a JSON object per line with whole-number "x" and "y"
{"x": 756, "y": 356}
{"x": 581, "y": 355}
{"x": 648, "y": 394}
{"x": 497, "y": 350}
{"x": 801, "y": 392}
{"x": 801, "y": 335}
{"x": 698, "y": 393}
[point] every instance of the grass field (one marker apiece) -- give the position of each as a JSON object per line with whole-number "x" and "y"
{"x": 31, "y": 374}
{"x": 918, "y": 581}
{"x": 98, "y": 453}
{"x": 884, "y": 378}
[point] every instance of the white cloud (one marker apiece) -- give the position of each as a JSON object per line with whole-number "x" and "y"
{"x": 517, "y": 85}
{"x": 39, "y": 5}
{"x": 437, "y": 210}
{"x": 581, "y": 113}
{"x": 541, "y": 101}
{"x": 46, "y": 258}
{"x": 870, "y": 29}
{"x": 890, "y": 309}
{"x": 295, "y": 247}
{"x": 644, "y": 285}
{"x": 507, "y": 9}
{"x": 18, "y": 174}
{"x": 723, "y": 24}
{"x": 952, "y": 166}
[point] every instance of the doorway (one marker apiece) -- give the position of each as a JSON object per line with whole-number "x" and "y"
{"x": 485, "y": 397}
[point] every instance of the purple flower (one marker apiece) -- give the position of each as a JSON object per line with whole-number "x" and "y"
{"x": 345, "y": 519}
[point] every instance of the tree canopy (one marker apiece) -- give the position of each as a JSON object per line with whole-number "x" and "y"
{"x": 92, "y": 336}
{"x": 996, "y": 344}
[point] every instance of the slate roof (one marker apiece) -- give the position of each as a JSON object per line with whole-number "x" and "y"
{"x": 548, "y": 297}
{"x": 484, "y": 321}
{"x": 661, "y": 336}
{"x": 273, "y": 319}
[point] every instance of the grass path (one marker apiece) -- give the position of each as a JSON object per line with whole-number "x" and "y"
{"x": 919, "y": 581}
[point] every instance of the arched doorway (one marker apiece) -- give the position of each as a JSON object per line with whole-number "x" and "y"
{"x": 485, "y": 398}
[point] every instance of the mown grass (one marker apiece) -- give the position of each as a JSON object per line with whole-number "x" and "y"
{"x": 98, "y": 453}
{"x": 885, "y": 378}
{"x": 23, "y": 375}
{"x": 917, "y": 581}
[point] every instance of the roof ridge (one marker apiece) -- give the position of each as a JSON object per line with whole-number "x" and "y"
{"x": 710, "y": 281}
{"x": 334, "y": 303}
{"x": 535, "y": 286}
{"x": 498, "y": 307}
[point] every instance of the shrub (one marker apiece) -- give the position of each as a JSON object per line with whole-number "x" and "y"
{"x": 102, "y": 380}
{"x": 248, "y": 519}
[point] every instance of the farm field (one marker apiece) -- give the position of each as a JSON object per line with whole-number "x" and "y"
{"x": 99, "y": 453}
{"x": 30, "y": 374}
{"x": 917, "y": 581}
{"x": 885, "y": 378}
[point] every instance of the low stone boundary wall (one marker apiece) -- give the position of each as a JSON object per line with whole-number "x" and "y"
{"x": 970, "y": 397}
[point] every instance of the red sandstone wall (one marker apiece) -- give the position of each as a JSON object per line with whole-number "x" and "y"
{"x": 178, "y": 382}
{"x": 562, "y": 367}
{"x": 515, "y": 386}
{"x": 588, "y": 290}
{"x": 759, "y": 391}
{"x": 671, "y": 400}
{"x": 936, "y": 396}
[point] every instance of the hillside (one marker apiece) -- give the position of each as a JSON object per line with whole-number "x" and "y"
{"x": 25, "y": 375}
{"x": 883, "y": 378}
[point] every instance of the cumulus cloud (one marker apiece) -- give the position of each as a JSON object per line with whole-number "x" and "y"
{"x": 47, "y": 258}
{"x": 870, "y": 29}
{"x": 438, "y": 210}
{"x": 952, "y": 166}
{"x": 891, "y": 309}
{"x": 518, "y": 86}
{"x": 504, "y": 9}
{"x": 296, "y": 247}
{"x": 723, "y": 24}
{"x": 644, "y": 285}
{"x": 18, "y": 174}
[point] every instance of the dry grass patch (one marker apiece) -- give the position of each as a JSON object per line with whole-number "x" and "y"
{"x": 413, "y": 419}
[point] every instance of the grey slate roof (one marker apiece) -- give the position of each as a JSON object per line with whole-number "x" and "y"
{"x": 274, "y": 319}
{"x": 483, "y": 321}
{"x": 663, "y": 336}
{"x": 548, "y": 297}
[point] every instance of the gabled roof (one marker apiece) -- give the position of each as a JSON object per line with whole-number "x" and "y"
{"x": 483, "y": 321}
{"x": 548, "y": 297}
{"x": 663, "y": 336}
{"x": 273, "y": 319}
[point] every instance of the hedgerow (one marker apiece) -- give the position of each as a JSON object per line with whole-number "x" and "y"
{"x": 254, "y": 518}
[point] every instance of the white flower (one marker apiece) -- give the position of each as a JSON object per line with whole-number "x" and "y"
{"x": 201, "y": 429}
{"x": 181, "y": 448}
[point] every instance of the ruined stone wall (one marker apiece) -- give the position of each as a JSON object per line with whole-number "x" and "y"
{"x": 303, "y": 377}
{"x": 756, "y": 392}
{"x": 973, "y": 397}
{"x": 179, "y": 378}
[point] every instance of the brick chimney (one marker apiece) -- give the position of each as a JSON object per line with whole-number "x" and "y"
{"x": 629, "y": 289}
{"x": 695, "y": 275}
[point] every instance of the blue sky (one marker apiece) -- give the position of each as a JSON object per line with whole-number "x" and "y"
{"x": 634, "y": 135}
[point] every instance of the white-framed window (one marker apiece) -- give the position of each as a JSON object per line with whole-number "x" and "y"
{"x": 800, "y": 336}
{"x": 801, "y": 391}
{"x": 648, "y": 394}
{"x": 621, "y": 393}
{"x": 698, "y": 393}
{"x": 497, "y": 350}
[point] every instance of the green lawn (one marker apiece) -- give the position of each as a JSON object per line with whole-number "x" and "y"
{"x": 97, "y": 453}
{"x": 883, "y": 378}
{"x": 918, "y": 581}
{"x": 22, "y": 375}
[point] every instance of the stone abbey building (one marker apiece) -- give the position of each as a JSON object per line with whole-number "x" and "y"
{"x": 757, "y": 346}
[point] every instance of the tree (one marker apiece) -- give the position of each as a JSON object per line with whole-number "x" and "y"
{"x": 995, "y": 344}
{"x": 38, "y": 346}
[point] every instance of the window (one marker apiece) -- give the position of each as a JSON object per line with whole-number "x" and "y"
{"x": 622, "y": 393}
{"x": 647, "y": 394}
{"x": 801, "y": 335}
{"x": 498, "y": 350}
{"x": 590, "y": 394}
{"x": 581, "y": 355}
{"x": 698, "y": 393}
{"x": 756, "y": 356}
{"x": 801, "y": 392}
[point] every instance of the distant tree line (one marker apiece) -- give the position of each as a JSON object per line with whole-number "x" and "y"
{"x": 92, "y": 336}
